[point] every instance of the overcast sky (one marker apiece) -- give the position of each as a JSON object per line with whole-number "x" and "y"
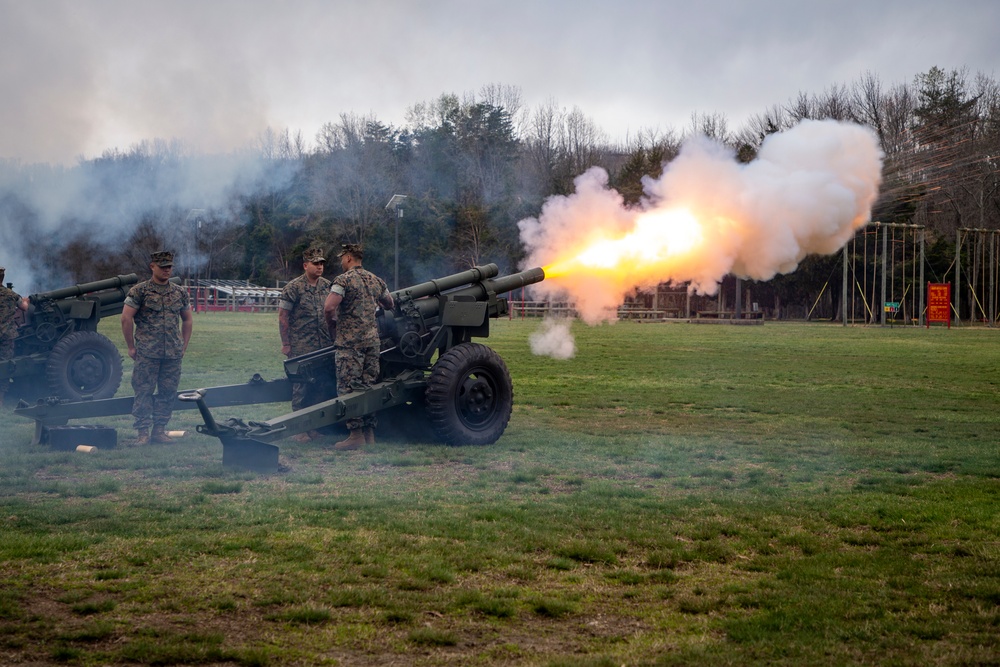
{"x": 81, "y": 76}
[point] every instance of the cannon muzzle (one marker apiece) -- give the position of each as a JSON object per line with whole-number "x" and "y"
{"x": 480, "y": 290}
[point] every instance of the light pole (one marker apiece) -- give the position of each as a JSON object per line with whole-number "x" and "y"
{"x": 193, "y": 261}
{"x": 396, "y": 202}
{"x": 194, "y": 216}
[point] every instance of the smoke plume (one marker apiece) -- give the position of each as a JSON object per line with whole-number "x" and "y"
{"x": 807, "y": 192}
{"x": 553, "y": 340}
{"x": 101, "y": 205}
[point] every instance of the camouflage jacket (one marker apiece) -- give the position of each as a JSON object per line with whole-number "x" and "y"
{"x": 9, "y": 301}
{"x": 157, "y": 331}
{"x": 361, "y": 291}
{"x": 307, "y": 330}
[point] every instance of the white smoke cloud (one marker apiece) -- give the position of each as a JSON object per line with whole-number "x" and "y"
{"x": 553, "y": 340}
{"x": 807, "y": 192}
{"x": 105, "y": 201}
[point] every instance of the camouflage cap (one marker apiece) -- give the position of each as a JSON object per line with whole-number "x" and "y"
{"x": 352, "y": 248}
{"x": 314, "y": 255}
{"x": 163, "y": 258}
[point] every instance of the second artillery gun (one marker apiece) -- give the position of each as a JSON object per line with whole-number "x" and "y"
{"x": 58, "y": 351}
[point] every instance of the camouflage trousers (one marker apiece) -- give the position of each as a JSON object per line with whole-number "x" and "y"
{"x": 6, "y": 352}
{"x": 357, "y": 369}
{"x": 149, "y": 375}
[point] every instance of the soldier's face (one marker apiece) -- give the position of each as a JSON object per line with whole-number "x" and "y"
{"x": 161, "y": 274}
{"x": 314, "y": 269}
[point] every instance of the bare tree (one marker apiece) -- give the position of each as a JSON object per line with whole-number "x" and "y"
{"x": 541, "y": 147}
{"x": 713, "y": 125}
{"x": 510, "y": 99}
{"x": 581, "y": 140}
{"x": 869, "y": 102}
{"x": 801, "y": 108}
{"x": 836, "y": 103}
{"x": 758, "y": 127}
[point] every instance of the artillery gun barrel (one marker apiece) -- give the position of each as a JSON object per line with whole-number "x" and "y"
{"x": 86, "y": 288}
{"x": 440, "y": 285}
{"x": 480, "y": 290}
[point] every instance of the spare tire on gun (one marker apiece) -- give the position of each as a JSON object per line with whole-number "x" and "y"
{"x": 84, "y": 364}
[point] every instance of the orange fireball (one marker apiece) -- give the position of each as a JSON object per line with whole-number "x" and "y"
{"x": 658, "y": 237}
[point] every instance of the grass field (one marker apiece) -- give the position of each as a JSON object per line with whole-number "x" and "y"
{"x": 798, "y": 494}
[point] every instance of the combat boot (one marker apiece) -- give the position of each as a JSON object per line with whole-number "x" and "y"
{"x": 369, "y": 432}
{"x": 353, "y": 441}
{"x": 142, "y": 436}
{"x": 159, "y": 437}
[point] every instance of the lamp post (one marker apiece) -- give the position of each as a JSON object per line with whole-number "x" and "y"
{"x": 193, "y": 261}
{"x": 194, "y": 216}
{"x": 396, "y": 202}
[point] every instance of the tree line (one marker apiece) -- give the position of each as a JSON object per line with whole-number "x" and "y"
{"x": 471, "y": 167}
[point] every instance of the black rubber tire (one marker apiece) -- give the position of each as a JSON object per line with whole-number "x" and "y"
{"x": 469, "y": 395}
{"x": 84, "y": 363}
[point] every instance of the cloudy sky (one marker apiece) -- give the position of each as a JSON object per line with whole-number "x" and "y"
{"x": 81, "y": 76}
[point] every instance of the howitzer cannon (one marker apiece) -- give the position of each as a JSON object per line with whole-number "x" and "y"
{"x": 432, "y": 374}
{"x": 434, "y": 380}
{"x": 58, "y": 351}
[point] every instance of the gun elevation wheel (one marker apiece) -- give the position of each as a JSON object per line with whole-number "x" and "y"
{"x": 469, "y": 395}
{"x": 84, "y": 363}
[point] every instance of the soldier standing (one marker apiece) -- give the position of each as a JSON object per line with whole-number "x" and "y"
{"x": 10, "y": 303}
{"x": 150, "y": 315}
{"x": 303, "y": 329}
{"x": 350, "y": 313}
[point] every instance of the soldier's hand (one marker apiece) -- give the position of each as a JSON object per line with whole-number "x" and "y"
{"x": 286, "y": 349}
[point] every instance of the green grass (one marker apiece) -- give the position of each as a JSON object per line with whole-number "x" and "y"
{"x": 674, "y": 495}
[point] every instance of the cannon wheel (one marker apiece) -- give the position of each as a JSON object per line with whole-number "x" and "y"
{"x": 469, "y": 395}
{"x": 84, "y": 363}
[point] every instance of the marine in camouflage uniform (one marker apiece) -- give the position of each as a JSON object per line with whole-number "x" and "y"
{"x": 150, "y": 317}
{"x": 303, "y": 328}
{"x": 10, "y": 303}
{"x": 350, "y": 311}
